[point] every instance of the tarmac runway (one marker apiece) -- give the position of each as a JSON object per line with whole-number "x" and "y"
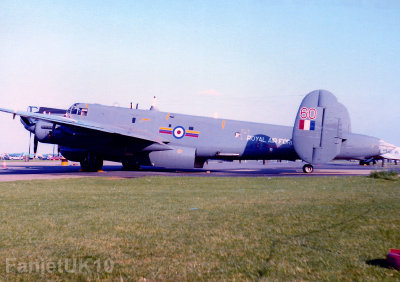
{"x": 41, "y": 170}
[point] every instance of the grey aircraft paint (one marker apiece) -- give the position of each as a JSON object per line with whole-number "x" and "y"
{"x": 91, "y": 133}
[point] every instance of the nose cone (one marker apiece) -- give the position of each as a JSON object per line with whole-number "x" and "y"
{"x": 389, "y": 151}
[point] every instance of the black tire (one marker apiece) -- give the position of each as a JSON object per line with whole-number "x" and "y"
{"x": 307, "y": 168}
{"x": 129, "y": 166}
{"x": 92, "y": 163}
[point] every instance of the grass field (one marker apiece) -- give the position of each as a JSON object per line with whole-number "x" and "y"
{"x": 199, "y": 229}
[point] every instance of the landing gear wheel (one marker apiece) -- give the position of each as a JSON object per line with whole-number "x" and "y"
{"x": 129, "y": 166}
{"x": 364, "y": 163}
{"x": 308, "y": 168}
{"x": 91, "y": 163}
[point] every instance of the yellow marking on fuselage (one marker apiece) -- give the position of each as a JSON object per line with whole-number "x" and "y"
{"x": 192, "y": 132}
{"x": 146, "y": 119}
{"x": 166, "y": 128}
{"x": 168, "y": 117}
{"x": 223, "y": 124}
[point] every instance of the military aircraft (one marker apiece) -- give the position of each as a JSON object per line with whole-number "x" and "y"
{"x": 92, "y": 133}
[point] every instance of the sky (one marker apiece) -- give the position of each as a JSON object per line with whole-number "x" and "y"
{"x": 243, "y": 60}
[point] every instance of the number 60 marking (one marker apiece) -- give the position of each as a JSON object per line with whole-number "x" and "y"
{"x": 306, "y": 113}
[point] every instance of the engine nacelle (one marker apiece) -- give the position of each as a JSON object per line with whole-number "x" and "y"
{"x": 179, "y": 157}
{"x": 43, "y": 131}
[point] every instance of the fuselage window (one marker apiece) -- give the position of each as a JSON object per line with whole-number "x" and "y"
{"x": 74, "y": 111}
{"x": 133, "y": 120}
{"x": 84, "y": 112}
{"x": 191, "y": 127}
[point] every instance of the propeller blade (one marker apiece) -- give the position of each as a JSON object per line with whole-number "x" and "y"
{"x": 30, "y": 141}
{"x": 35, "y": 145}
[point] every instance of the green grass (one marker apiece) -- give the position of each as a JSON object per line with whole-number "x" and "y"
{"x": 202, "y": 228}
{"x": 385, "y": 174}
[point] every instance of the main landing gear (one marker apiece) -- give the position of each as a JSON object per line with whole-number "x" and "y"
{"x": 307, "y": 168}
{"x": 91, "y": 163}
{"x": 130, "y": 166}
{"x": 368, "y": 162}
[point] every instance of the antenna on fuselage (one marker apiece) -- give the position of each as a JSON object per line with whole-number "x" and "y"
{"x": 137, "y": 106}
{"x": 153, "y": 104}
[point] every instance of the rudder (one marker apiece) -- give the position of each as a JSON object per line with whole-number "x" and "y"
{"x": 320, "y": 127}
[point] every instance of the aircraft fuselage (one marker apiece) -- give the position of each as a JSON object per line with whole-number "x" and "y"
{"x": 209, "y": 138}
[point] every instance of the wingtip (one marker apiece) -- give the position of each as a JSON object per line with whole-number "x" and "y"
{"x": 10, "y": 111}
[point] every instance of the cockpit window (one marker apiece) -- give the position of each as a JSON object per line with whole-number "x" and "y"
{"x": 75, "y": 110}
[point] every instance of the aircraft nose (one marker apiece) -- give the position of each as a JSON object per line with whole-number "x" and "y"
{"x": 389, "y": 151}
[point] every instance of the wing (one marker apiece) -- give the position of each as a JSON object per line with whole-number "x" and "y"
{"x": 138, "y": 134}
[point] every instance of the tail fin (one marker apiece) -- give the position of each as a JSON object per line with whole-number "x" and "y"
{"x": 319, "y": 127}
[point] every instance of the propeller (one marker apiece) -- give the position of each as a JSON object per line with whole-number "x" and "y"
{"x": 30, "y": 141}
{"x": 35, "y": 145}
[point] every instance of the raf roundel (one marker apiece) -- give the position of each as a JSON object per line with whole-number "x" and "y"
{"x": 179, "y": 132}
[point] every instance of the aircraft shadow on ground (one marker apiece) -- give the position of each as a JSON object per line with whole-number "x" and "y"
{"x": 379, "y": 262}
{"x": 229, "y": 171}
{"x": 50, "y": 170}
